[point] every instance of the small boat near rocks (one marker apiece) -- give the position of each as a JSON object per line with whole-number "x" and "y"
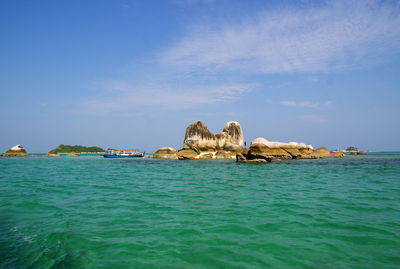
{"x": 123, "y": 153}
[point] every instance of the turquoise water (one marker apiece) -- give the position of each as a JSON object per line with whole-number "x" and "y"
{"x": 91, "y": 212}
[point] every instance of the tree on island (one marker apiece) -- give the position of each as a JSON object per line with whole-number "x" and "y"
{"x": 352, "y": 149}
{"x": 76, "y": 148}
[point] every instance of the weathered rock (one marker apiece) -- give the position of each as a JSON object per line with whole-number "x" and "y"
{"x": 223, "y": 155}
{"x": 16, "y": 151}
{"x": 52, "y": 154}
{"x": 339, "y": 154}
{"x": 362, "y": 152}
{"x": 240, "y": 158}
{"x": 209, "y": 155}
{"x": 321, "y": 153}
{"x": 245, "y": 151}
{"x": 294, "y": 152}
{"x": 73, "y": 154}
{"x": 146, "y": 156}
{"x": 259, "y": 147}
{"x": 187, "y": 154}
{"x": 353, "y": 153}
{"x": 306, "y": 151}
{"x": 198, "y": 137}
{"x": 166, "y": 153}
{"x": 220, "y": 140}
{"x": 234, "y": 142}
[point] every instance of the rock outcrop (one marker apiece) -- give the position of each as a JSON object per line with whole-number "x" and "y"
{"x": 166, "y": 153}
{"x": 187, "y": 154}
{"x": 16, "y": 151}
{"x": 73, "y": 154}
{"x": 234, "y": 137}
{"x": 52, "y": 154}
{"x": 339, "y": 154}
{"x": 321, "y": 153}
{"x": 222, "y": 145}
{"x": 262, "y": 149}
{"x": 362, "y": 152}
{"x": 198, "y": 137}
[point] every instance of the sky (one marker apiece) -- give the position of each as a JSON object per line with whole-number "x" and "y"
{"x": 135, "y": 74}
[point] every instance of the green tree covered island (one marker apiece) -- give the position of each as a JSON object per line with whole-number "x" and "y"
{"x": 77, "y": 148}
{"x": 352, "y": 149}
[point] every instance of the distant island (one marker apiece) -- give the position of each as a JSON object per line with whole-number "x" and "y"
{"x": 76, "y": 148}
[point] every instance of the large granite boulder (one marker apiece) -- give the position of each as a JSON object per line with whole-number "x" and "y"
{"x": 261, "y": 147}
{"x": 321, "y": 153}
{"x": 166, "y": 153}
{"x": 16, "y": 151}
{"x": 221, "y": 154}
{"x": 234, "y": 140}
{"x": 198, "y": 137}
{"x": 52, "y": 154}
{"x": 187, "y": 154}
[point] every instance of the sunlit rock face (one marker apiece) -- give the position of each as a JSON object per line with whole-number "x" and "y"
{"x": 166, "y": 153}
{"x": 234, "y": 142}
{"x": 321, "y": 153}
{"x": 198, "y": 137}
{"x": 277, "y": 150}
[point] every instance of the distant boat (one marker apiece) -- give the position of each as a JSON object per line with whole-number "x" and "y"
{"x": 123, "y": 153}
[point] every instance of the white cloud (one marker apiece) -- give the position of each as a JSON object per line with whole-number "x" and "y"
{"x": 338, "y": 35}
{"x": 307, "y": 104}
{"x": 127, "y": 98}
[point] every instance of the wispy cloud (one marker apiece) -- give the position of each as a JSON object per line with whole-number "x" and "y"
{"x": 126, "y": 97}
{"x": 307, "y": 104}
{"x": 337, "y": 35}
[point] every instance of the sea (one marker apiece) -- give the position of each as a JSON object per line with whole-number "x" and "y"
{"x": 92, "y": 212}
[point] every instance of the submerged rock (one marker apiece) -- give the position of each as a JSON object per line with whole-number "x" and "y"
{"x": 166, "y": 153}
{"x": 16, "y": 151}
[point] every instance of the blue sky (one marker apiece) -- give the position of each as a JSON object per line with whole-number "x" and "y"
{"x": 136, "y": 73}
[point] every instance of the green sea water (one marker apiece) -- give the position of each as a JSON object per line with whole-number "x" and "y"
{"x": 91, "y": 212}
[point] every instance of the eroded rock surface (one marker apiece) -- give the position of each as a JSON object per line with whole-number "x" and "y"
{"x": 166, "y": 153}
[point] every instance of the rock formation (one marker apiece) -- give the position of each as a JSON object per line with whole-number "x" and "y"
{"x": 52, "y": 154}
{"x": 72, "y": 154}
{"x": 16, "y": 151}
{"x": 198, "y": 137}
{"x": 200, "y": 143}
{"x": 187, "y": 154}
{"x": 233, "y": 135}
{"x": 321, "y": 153}
{"x": 362, "y": 152}
{"x": 339, "y": 154}
{"x": 262, "y": 149}
{"x": 166, "y": 153}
